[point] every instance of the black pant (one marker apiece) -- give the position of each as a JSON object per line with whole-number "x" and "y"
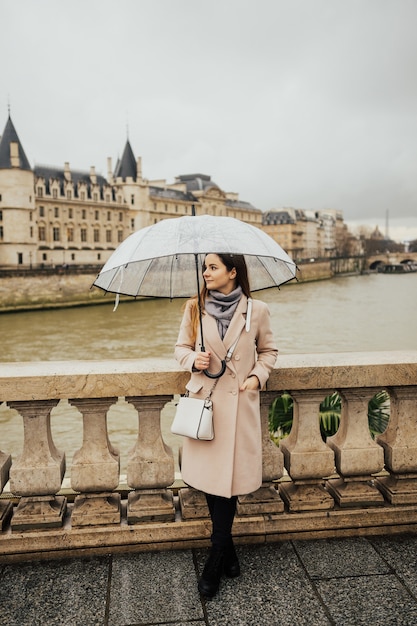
{"x": 222, "y": 513}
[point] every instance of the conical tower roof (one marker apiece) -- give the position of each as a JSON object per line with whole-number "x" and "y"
{"x": 10, "y": 136}
{"x": 126, "y": 166}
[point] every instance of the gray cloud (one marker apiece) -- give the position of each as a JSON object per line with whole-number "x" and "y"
{"x": 301, "y": 103}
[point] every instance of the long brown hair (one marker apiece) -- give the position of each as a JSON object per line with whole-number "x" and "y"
{"x": 231, "y": 261}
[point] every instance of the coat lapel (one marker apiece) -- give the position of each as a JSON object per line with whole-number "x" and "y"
{"x": 212, "y": 337}
{"x": 237, "y": 323}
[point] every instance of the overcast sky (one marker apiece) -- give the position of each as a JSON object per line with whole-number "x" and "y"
{"x": 303, "y": 103}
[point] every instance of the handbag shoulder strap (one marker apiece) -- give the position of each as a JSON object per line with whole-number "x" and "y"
{"x": 247, "y": 327}
{"x": 231, "y": 350}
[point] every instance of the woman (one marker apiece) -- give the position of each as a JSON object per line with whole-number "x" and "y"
{"x": 231, "y": 464}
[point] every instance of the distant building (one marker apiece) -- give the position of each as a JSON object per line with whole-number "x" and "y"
{"x": 307, "y": 234}
{"x": 62, "y": 216}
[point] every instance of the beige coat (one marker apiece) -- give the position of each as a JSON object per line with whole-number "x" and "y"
{"x": 231, "y": 464}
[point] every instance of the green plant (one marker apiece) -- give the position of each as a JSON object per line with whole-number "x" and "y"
{"x": 281, "y": 415}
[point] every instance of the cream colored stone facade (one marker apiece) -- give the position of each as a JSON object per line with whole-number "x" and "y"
{"x": 60, "y": 216}
{"x": 52, "y": 217}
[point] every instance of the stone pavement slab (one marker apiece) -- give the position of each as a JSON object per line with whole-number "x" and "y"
{"x": 340, "y": 582}
{"x": 48, "y": 593}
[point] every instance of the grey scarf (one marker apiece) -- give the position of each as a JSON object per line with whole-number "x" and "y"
{"x": 222, "y": 307}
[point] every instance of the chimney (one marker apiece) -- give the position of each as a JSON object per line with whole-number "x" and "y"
{"x": 67, "y": 171}
{"x": 109, "y": 170}
{"x": 139, "y": 168}
{"x": 93, "y": 176}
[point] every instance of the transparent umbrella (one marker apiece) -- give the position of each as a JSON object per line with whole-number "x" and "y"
{"x": 164, "y": 260}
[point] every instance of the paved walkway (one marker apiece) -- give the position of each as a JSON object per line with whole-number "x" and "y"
{"x": 313, "y": 583}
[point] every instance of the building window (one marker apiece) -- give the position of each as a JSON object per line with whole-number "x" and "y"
{"x": 55, "y": 193}
{"x": 99, "y": 256}
{"x": 119, "y": 236}
{"x": 107, "y": 197}
{"x": 31, "y": 232}
{"x": 119, "y": 199}
{"x": 108, "y": 236}
{"x": 70, "y": 234}
{"x": 42, "y": 233}
{"x": 109, "y": 216}
{"x": 41, "y": 211}
{"x": 132, "y": 224}
{"x": 72, "y": 256}
{"x": 44, "y": 256}
{"x": 154, "y": 206}
{"x": 1, "y": 216}
{"x": 40, "y": 192}
{"x": 69, "y": 195}
{"x": 1, "y": 233}
{"x": 84, "y": 214}
{"x": 95, "y": 197}
{"x": 96, "y": 215}
{"x": 56, "y": 235}
{"x": 176, "y": 209}
{"x": 82, "y": 195}
{"x": 120, "y": 217}
{"x": 70, "y": 214}
{"x": 166, "y": 207}
{"x": 20, "y": 258}
{"x": 56, "y": 211}
{"x": 96, "y": 235}
{"x": 132, "y": 199}
{"x": 83, "y": 235}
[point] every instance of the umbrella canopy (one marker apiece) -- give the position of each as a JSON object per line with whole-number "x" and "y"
{"x": 160, "y": 260}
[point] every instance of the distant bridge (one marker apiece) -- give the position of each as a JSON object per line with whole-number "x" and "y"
{"x": 393, "y": 258}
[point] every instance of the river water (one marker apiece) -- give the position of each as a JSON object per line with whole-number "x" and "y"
{"x": 345, "y": 314}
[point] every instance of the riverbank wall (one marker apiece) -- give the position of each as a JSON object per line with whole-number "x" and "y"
{"x": 25, "y": 290}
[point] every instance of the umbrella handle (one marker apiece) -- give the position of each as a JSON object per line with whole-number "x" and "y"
{"x": 222, "y": 371}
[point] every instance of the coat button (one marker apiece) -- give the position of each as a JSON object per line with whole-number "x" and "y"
{"x": 237, "y": 357}
{"x": 234, "y": 393}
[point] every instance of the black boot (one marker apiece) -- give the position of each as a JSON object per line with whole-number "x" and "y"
{"x": 231, "y": 565}
{"x": 208, "y": 585}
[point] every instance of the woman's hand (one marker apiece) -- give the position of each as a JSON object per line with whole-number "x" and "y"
{"x": 202, "y": 361}
{"x": 251, "y": 383}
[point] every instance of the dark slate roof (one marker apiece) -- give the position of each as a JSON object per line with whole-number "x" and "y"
{"x": 9, "y": 136}
{"x": 277, "y": 217}
{"x": 240, "y": 204}
{"x": 49, "y": 173}
{"x": 196, "y": 182}
{"x": 172, "y": 194}
{"x": 126, "y": 166}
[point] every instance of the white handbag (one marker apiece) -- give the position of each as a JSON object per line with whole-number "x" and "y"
{"x": 194, "y": 418}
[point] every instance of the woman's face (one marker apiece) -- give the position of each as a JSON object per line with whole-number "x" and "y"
{"x": 217, "y": 276}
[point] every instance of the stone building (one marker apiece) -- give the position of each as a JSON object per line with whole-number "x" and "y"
{"x": 52, "y": 216}
{"x": 306, "y": 234}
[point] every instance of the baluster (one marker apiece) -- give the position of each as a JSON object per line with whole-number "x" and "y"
{"x": 266, "y": 499}
{"x": 6, "y": 507}
{"x": 151, "y": 468}
{"x": 358, "y": 456}
{"x": 400, "y": 445}
{"x": 307, "y": 458}
{"x": 95, "y": 470}
{"x": 37, "y": 474}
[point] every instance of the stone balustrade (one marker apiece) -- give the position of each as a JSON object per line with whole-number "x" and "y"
{"x": 350, "y": 484}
